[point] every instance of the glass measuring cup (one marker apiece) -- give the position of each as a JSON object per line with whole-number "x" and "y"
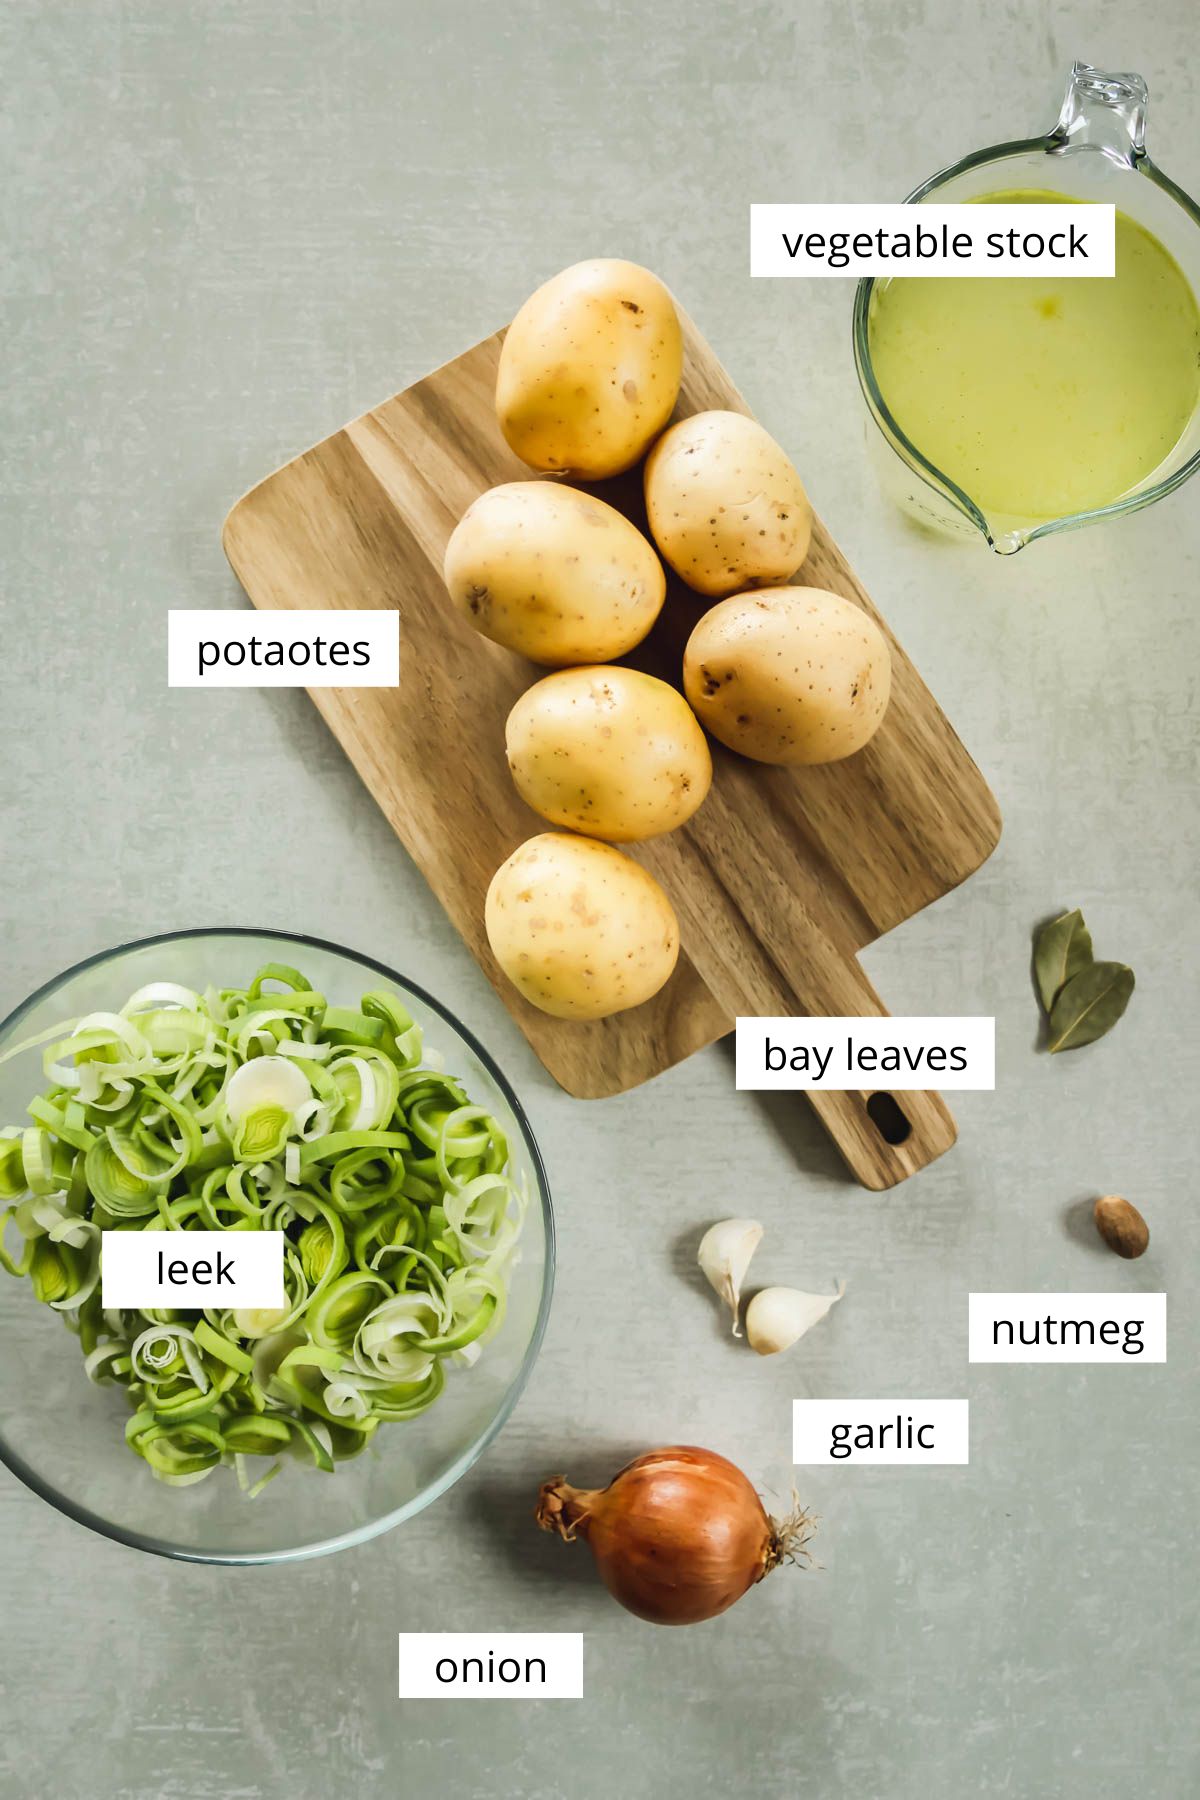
{"x": 1096, "y": 151}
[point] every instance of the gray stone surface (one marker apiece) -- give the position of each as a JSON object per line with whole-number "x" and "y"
{"x": 228, "y": 228}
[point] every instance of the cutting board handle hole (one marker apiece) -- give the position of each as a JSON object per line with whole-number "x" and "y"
{"x": 889, "y": 1118}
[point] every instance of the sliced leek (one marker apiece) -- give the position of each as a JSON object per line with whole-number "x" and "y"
{"x": 264, "y": 1108}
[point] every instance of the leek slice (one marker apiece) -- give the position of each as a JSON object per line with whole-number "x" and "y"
{"x": 323, "y": 1252}
{"x": 281, "y": 972}
{"x": 217, "y": 1344}
{"x": 56, "y": 1272}
{"x": 342, "y": 1026}
{"x": 113, "y": 1182}
{"x": 262, "y": 1134}
{"x": 12, "y": 1167}
{"x": 402, "y": 1038}
{"x": 37, "y": 1154}
{"x": 336, "y": 1316}
{"x": 67, "y": 1122}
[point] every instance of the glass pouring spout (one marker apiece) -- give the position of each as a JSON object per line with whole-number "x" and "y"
{"x": 1103, "y": 112}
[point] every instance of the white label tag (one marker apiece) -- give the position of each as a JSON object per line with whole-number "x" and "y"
{"x": 879, "y": 1431}
{"x": 328, "y": 648}
{"x": 483, "y": 1665}
{"x": 956, "y": 238}
{"x": 191, "y": 1268}
{"x": 896, "y": 1055}
{"x": 1067, "y": 1328}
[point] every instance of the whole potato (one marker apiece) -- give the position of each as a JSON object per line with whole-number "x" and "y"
{"x": 793, "y": 675}
{"x": 726, "y": 507}
{"x": 553, "y": 573}
{"x": 579, "y": 927}
{"x": 609, "y": 752}
{"x": 589, "y": 369}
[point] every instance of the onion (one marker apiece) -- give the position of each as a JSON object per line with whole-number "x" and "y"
{"x": 678, "y": 1535}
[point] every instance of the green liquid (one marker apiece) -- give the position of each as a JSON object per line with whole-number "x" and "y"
{"x": 1043, "y": 397}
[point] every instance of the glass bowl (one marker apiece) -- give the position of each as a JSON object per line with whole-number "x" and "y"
{"x": 63, "y": 1435}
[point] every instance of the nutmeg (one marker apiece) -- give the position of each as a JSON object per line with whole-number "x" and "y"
{"x": 1121, "y": 1225}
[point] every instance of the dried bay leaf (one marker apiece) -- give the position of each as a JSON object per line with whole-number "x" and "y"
{"x": 1089, "y": 1005}
{"x": 1061, "y": 950}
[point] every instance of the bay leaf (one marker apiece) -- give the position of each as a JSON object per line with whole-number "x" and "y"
{"x": 1061, "y": 950}
{"x": 1089, "y": 1005}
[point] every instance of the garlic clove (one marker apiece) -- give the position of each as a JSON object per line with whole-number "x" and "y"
{"x": 778, "y": 1317}
{"x": 724, "y": 1256}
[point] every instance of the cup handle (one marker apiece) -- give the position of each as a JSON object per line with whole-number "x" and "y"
{"x": 1103, "y": 112}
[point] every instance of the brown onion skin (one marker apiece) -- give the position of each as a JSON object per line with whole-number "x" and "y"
{"x": 678, "y": 1535}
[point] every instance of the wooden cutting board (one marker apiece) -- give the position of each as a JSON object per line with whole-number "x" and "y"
{"x": 780, "y": 878}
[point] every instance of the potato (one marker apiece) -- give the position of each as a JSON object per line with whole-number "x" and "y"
{"x": 553, "y": 573}
{"x": 589, "y": 369}
{"x": 579, "y": 927}
{"x": 792, "y": 675}
{"x": 609, "y": 752}
{"x": 726, "y": 507}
